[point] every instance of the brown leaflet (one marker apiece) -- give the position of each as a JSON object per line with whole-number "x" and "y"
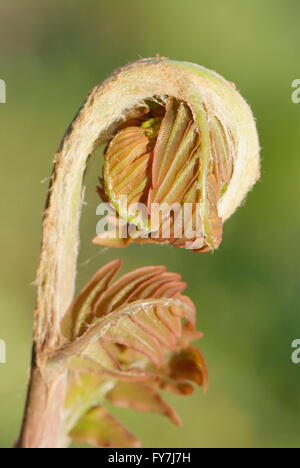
{"x": 189, "y": 365}
{"x": 118, "y": 293}
{"x": 141, "y": 397}
{"x": 81, "y": 309}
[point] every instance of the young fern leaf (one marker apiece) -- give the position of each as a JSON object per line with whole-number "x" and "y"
{"x": 128, "y": 340}
{"x": 180, "y": 152}
{"x": 79, "y": 313}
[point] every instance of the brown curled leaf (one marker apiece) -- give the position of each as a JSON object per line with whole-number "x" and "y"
{"x": 141, "y": 397}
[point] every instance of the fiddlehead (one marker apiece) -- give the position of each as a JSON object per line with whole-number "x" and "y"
{"x": 200, "y": 132}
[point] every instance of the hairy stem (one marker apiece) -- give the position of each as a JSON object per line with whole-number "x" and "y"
{"x": 42, "y": 419}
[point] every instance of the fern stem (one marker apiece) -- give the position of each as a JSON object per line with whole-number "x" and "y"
{"x": 42, "y": 419}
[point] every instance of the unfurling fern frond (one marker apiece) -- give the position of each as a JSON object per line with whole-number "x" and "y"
{"x": 124, "y": 342}
{"x": 181, "y": 153}
{"x": 159, "y": 162}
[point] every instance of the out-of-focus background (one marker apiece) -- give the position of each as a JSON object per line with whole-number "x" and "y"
{"x": 247, "y": 292}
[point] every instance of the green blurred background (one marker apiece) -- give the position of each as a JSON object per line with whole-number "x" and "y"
{"x": 247, "y": 292}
